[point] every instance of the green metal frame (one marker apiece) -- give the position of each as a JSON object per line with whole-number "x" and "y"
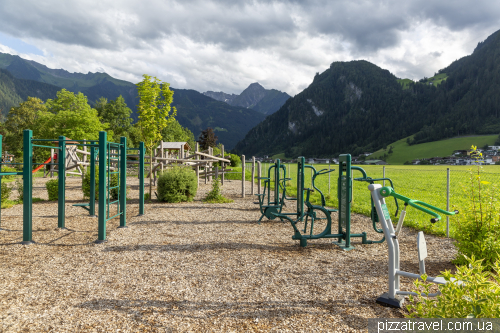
{"x": 274, "y": 205}
{"x": 101, "y": 149}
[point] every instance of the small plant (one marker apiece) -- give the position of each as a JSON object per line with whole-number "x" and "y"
{"x": 6, "y": 191}
{"x": 146, "y": 196}
{"x": 177, "y": 184}
{"x": 474, "y": 294}
{"x": 478, "y": 224}
{"x": 235, "y": 160}
{"x": 215, "y": 195}
{"x": 52, "y": 187}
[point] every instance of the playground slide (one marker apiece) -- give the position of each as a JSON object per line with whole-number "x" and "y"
{"x": 41, "y": 165}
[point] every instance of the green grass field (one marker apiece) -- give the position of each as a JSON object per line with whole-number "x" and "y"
{"x": 405, "y": 83}
{"x": 425, "y": 183}
{"x": 402, "y": 152}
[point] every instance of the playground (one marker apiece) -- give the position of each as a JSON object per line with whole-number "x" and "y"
{"x": 192, "y": 267}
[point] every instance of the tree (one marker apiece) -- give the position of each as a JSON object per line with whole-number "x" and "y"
{"x": 116, "y": 114}
{"x": 155, "y": 114}
{"x": 70, "y": 115}
{"x": 174, "y": 132}
{"x": 207, "y": 139}
{"x": 25, "y": 116}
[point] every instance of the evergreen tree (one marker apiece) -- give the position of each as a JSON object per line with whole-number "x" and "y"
{"x": 207, "y": 139}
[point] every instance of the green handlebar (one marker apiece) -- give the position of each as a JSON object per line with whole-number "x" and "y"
{"x": 389, "y": 191}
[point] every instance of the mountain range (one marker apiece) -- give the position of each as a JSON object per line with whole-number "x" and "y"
{"x": 255, "y": 96}
{"x": 356, "y": 107}
{"x": 20, "y": 78}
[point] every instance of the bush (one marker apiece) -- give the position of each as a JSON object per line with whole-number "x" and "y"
{"x": 235, "y": 160}
{"x": 177, "y": 184}
{"x": 215, "y": 195}
{"x": 478, "y": 224}
{"x": 6, "y": 191}
{"x": 477, "y": 296}
{"x": 52, "y": 187}
{"x": 8, "y": 169}
{"x": 86, "y": 185}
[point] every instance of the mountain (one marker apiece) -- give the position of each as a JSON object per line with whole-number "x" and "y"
{"x": 92, "y": 85}
{"x": 197, "y": 112}
{"x": 21, "y": 78}
{"x": 14, "y": 91}
{"x": 356, "y": 106}
{"x": 254, "y": 97}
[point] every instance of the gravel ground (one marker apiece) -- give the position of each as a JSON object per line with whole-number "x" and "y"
{"x": 191, "y": 267}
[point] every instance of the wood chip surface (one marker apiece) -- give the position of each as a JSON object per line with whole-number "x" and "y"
{"x": 192, "y": 267}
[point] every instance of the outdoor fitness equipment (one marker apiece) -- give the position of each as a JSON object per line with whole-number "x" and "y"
{"x": 395, "y": 297}
{"x": 304, "y": 215}
{"x": 275, "y": 201}
{"x": 108, "y": 152}
{"x": 344, "y": 195}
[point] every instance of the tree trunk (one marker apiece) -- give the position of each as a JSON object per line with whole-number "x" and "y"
{"x": 151, "y": 174}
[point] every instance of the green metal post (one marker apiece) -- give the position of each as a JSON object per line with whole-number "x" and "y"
{"x": 103, "y": 145}
{"x": 276, "y": 182}
{"x": 92, "y": 179}
{"x": 61, "y": 202}
{"x": 123, "y": 182}
{"x": 344, "y": 195}
{"x": 142, "y": 153}
{"x": 27, "y": 199}
{"x": 300, "y": 186}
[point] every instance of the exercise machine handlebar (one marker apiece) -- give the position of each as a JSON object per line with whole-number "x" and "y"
{"x": 420, "y": 205}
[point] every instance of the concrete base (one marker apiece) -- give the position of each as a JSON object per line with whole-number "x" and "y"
{"x": 391, "y": 302}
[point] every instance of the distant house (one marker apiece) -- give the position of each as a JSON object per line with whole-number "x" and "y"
{"x": 322, "y": 160}
{"x": 173, "y": 148}
{"x": 375, "y": 162}
{"x": 494, "y": 147}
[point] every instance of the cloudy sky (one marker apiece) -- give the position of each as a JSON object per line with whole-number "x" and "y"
{"x": 224, "y": 45}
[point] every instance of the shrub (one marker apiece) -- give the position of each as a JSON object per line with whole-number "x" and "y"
{"x": 6, "y": 191}
{"x": 53, "y": 189}
{"x": 215, "y": 195}
{"x": 235, "y": 160}
{"x": 8, "y": 169}
{"x": 177, "y": 184}
{"x": 86, "y": 185}
{"x": 478, "y": 224}
{"x": 476, "y": 296}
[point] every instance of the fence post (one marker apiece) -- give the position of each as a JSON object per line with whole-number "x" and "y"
{"x": 243, "y": 176}
{"x": 253, "y": 174}
{"x": 142, "y": 153}
{"x": 162, "y": 152}
{"x": 211, "y": 153}
{"x": 259, "y": 174}
{"x": 223, "y": 165}
{"x": 447, "y": 201}
{"x": 383, "y": 175}
{"x": 197, "y": 169}
{"x": 216, "y": 173}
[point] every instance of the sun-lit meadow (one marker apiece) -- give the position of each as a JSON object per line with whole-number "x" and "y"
{"x": 424, "y": 183}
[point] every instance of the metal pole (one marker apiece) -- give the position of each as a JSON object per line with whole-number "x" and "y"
{"x": 197, "y": 168}
{"x": 123, "y": 181}
{"x": 329, "y": 176}
{"x": 259, "y": 174}
{"x": 103, "y": 146}
{"x": 253, "y": 174}
{"x": 142, "y": 153}
{"x": 61, "y": 199}
{"x": 383, "y": 175}
{"x": 243, "y": 176}
{"x": 447, "y": 201}
{"x": 27, "y": 199}
{"x": 92, "y": 180}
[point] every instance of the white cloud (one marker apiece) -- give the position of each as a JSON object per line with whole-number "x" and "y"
{"x": 226, "y": 45}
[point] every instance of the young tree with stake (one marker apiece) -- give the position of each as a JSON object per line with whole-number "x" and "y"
{"x": 155, "y": 114}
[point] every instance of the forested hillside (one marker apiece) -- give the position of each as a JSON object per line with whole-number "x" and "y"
{"x": 356, "y": 106}
{"x": 13, "y": 91}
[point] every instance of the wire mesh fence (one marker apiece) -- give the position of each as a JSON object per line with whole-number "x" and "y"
{"x": 432, "y": 184}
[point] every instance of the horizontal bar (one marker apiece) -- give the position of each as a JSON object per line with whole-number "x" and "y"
{"x": 7, "y": 164}
{"x": 110, "y": 188}
{"x": 113, "y": 202}
{"x": 51, "y": 147}
{"x": 11, "y": 173}
{"x": 112, "y": 217}
{"x": 436, "y": 280}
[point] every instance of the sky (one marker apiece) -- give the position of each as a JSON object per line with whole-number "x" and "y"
{"x": 225, "y": 45}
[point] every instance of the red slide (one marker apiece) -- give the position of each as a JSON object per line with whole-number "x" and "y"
{"x": 41, "y": 165}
